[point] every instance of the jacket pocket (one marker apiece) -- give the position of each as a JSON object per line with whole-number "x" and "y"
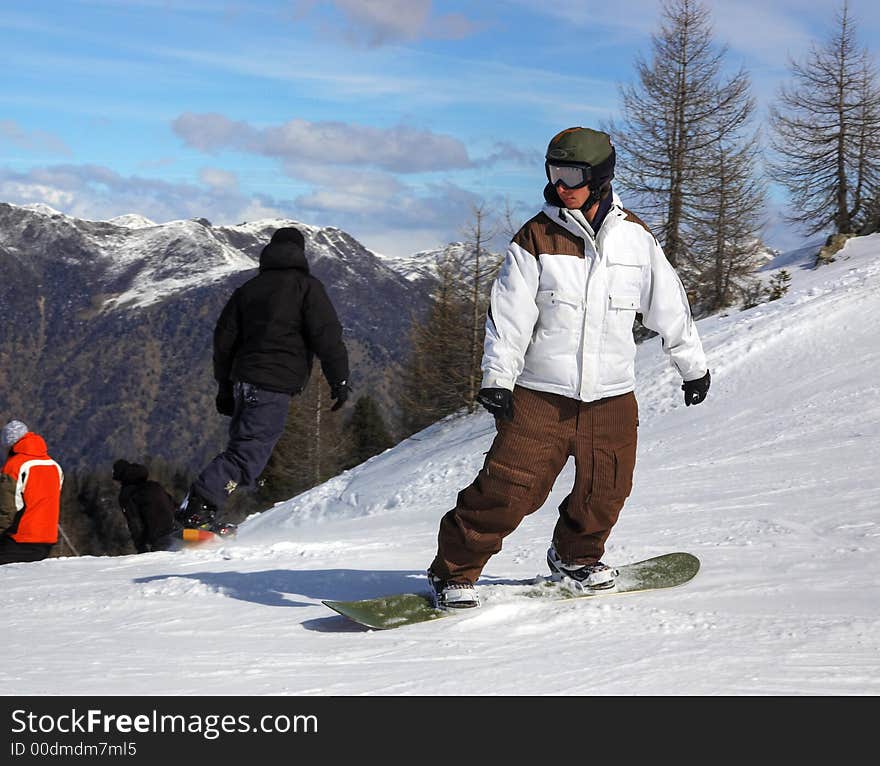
{"x": 557, "y": 332}
{"x": 625, "y": 273}
{"x": 556, "y": 298}
{"x": 625, "y": 301}
{"x": 559, "y": 311}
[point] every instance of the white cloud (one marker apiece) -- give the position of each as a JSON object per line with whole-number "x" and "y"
{"x": 379, "y": 22}
{"x": 401, "y": 149}
{"x": 25, "y": 192}
{"x": 95, "y": 192}
{"x": 765, "y": 32}
{"x": 317, "y": 174}
{"x": 443, "y": 206}
{"x": 394, "y": 221}
{"x": 636, "y": 17}
{"x": 256, "y": 209}
{"x": 504, "y": 151}
{"x": 32, "y": 140}
{"x": 218, "y": 179}
{"x": 769, "y": 37}
{"x": 386, "y": 20}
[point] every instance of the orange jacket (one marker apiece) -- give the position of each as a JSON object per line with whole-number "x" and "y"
{"x": 37, "y": 480}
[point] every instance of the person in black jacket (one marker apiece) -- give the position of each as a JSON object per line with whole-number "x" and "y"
{"x": 147, "y": 507}
{"x": 264, "y": 343}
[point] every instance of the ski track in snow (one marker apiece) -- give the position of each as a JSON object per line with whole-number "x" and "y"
{"x": 772, "y": 482}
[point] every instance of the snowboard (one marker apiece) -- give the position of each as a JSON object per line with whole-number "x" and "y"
{"x": 199, "y": 535}
{"x": 395, "y": 611}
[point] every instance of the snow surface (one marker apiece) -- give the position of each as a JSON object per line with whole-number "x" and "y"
{"x": 772, "y": 482}
{"x": 132, "y": 221}
{"x": 43, "y": 209}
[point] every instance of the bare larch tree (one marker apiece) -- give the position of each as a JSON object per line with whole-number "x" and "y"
{"x": 668, "y": 139}
{"x": 826, "y": 133}
{"x": 727, "y": 210}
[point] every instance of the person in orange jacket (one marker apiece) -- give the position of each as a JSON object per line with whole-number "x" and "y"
{"x": 30, "y": 496}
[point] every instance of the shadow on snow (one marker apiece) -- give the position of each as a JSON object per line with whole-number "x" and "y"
{"x": 281, "y": 587}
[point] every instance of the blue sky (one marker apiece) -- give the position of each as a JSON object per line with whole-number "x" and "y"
{"x": 389, "y": 119}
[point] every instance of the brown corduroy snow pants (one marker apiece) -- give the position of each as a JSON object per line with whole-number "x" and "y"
{"x": 520, "y": 469}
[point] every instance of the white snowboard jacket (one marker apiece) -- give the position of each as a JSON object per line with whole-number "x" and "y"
{"x": 563, "y": 305}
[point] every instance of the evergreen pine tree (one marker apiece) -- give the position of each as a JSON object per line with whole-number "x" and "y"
{"x": 366, "y": 431}
{"x": 778, "y": 285}
{"x": 435, "y": 378}
{"x": 442, "y": 374}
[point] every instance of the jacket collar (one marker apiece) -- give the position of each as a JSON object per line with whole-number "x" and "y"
{"x": 576, "y": 222}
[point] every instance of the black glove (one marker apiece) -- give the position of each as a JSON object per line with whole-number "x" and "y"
{"x": 499, "y": 401}
{"x": 225, "y": 399}
{"x": 695, "y": 390}
{"x": 339, "y": 394}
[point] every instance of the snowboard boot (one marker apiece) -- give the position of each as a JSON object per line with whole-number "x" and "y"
{"x": 452, "y": 595}
{"x": 595, "y": 576}
{"x": 195, "y": 512}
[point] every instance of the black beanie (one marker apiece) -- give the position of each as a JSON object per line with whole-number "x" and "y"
{"x": 119, "y": 469}
{"x": 288, "y": 234}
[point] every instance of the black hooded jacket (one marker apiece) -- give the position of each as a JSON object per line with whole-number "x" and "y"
{"x": 148, "y": 508}
{"x": 274, "y": 324}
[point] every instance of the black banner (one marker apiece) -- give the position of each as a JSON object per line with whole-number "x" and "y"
{"x": 255, "y": 731}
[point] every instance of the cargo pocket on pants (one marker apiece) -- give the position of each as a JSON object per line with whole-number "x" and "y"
{"x": 503, "y": 481}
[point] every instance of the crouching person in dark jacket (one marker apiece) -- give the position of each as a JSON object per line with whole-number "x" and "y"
{"x": 147, "y": 507}
{"x": 264, "y": 344}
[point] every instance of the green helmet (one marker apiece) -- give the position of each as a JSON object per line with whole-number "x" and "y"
{"x": 580, "y": 145}
{"x": 583, "y": 148}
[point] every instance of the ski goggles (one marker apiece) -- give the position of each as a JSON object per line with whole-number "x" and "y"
{"x": 571, "y": 176}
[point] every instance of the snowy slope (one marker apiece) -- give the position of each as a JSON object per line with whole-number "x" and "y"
{"x": 772, "y": 482}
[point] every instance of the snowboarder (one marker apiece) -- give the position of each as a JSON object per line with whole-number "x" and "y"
{"x": 265, "y": 341}
{"x": 30, "y": 496}
{"x": 147, "y": 507}
{"x": 558, "y": 372}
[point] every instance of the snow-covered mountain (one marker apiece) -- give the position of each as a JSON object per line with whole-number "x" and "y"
{"x": 144, "y": 262}
{"x": 772, "y": 482}
{"x": 107, "y": 342}
{"x": 424, "y": 266}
